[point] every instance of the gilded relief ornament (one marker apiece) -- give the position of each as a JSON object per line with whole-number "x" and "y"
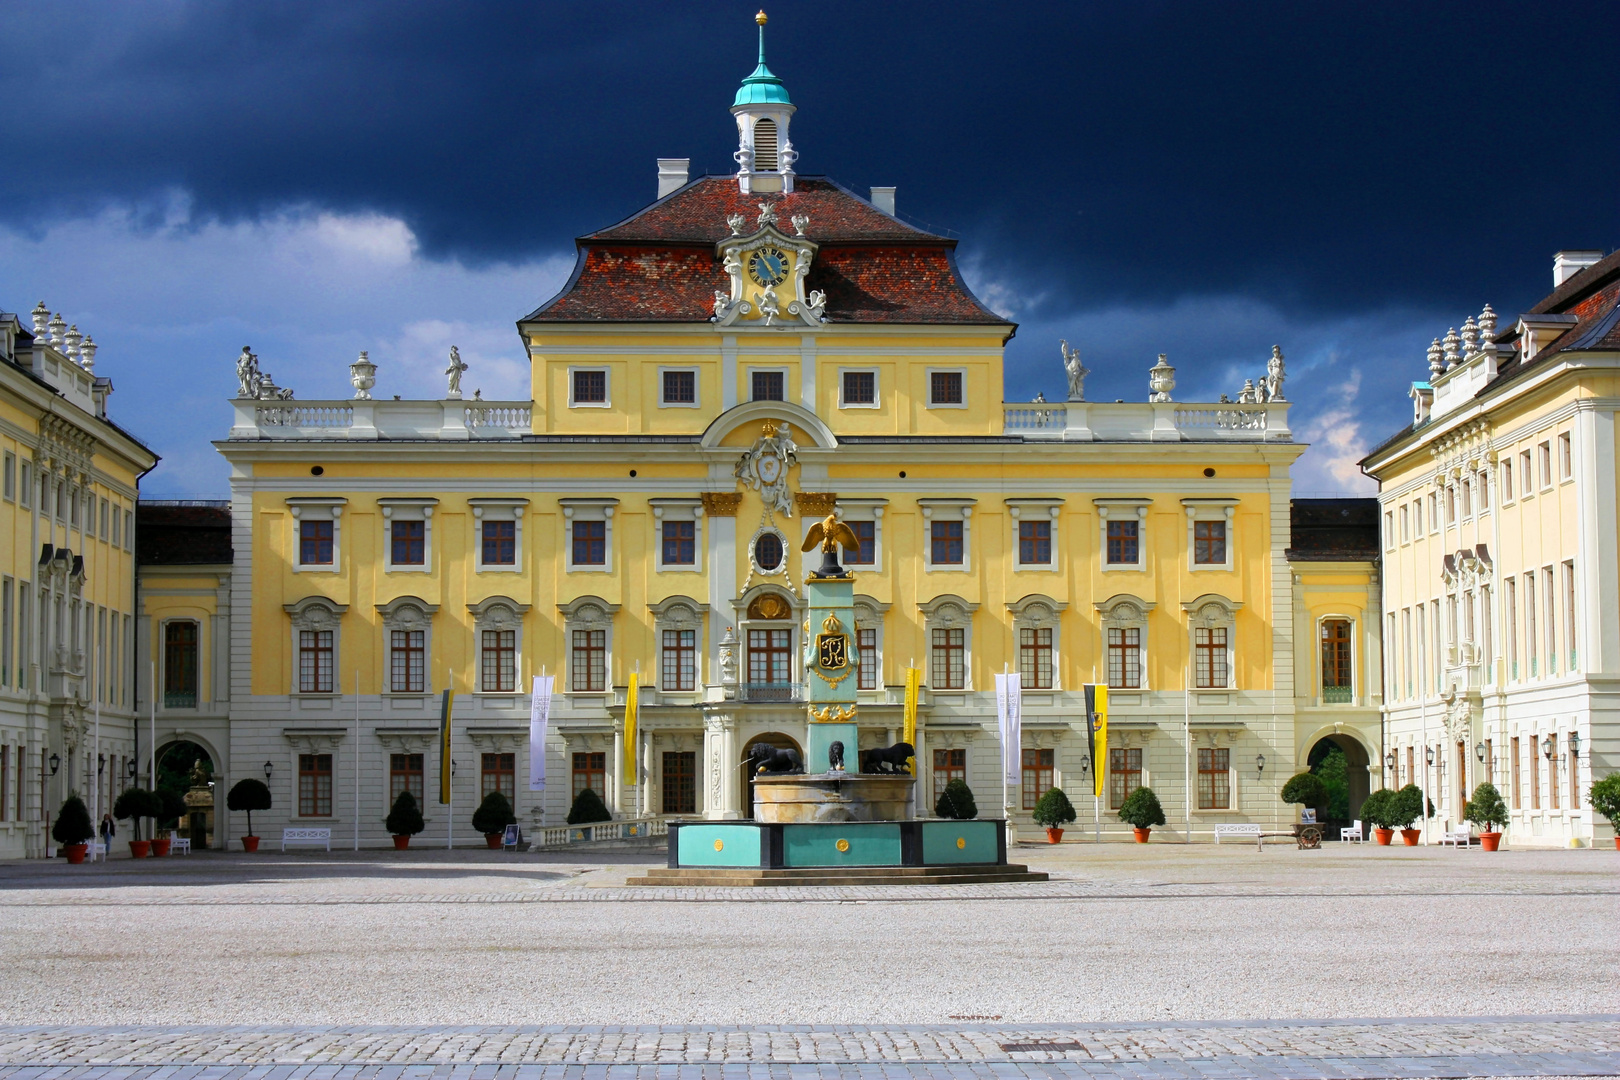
{"x": 765, "y": 465}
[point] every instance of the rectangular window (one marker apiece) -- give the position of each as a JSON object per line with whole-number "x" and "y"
{"x": 500, "y": 661}
{"x": 1035, "y": 543}
{"x": 101, "y": 653}
{"x": 409, "y": 541}
{"x": 680, "y": 388}
{"x": 1437, "y": 652}
{"x": 314, "y": 661}
{"x": 1482, "y": 484}
{"x": 25, "y": 485}
{"x": 1535, "y": 775}
{"x": 1506, "y": 469}
{"x": 1530, "y": 622}
{"x": 125, "y": 644}
{"x": 680, "y": 543}
{"x": 103, "y": 533}
{"x": 1513, "y": 746}
{"x": 1404, "y": 517}
{"x": 1566, "y": 457}
{"x": 1123, "y": 547}
{"x": 73, "y": 506}
{"x": 6, "y": 617}
{"x": 314, "y": 785}
{"x": 1214, "y": 779}
{"x": 1411, "y": 764}
{"x": 407, "y": 661}
{"x": 768, "y": 385}
{"x": 680, "y": 782}
{"x": 945, "y": 538}
{"x": 1550, "y": 596}
{"x": 1209, "y": 543}
{"x": 9, "y": 481}
{"x": 1389, "y": 530}
{"x": 498, "y": 772}
{"x": 5, "y": 783}
{"x": 1125, "y": 658}
{"x": 1574, "y": 780}
{"x": 1546, "y": 464}
{"x": 1336, "y": 686}
{"x": 949, "y": 658}
{"x": 129, "y": 530}
{"x": 1035, "y": 657}
{"x": 1553, "y": 785}
{"x": 945, "y": 388}
{"x": 315, "y": 543}
{"x": 948, "y": 765}
{"x": 590, "y": 771}
{"x": 500, "y": 543}
{"x": 1511, "y": 617}
{"x": 680, "y": 660}
{"x": 405, "y": 774}
{"x": 1417, "y": 519}
{"x": 1210, "y": 642}
{"x": 590, "y": 388}
{"x": 180, "y": 665}
{"x": 1124, "y": 774}
{"x": 590, "y": 543}
{"x": 1570, "y": 637}
{"x": 866, "y": 647}
{"x": 770, "y": 660}
{"x": 1038, "y": 771}
{"x": 117, "y": 539}
{"x": 1451, "y": 504}
{"x": 1407, "y": 641}
{"x": 866, "y": 534}
{"x": 25, "y": 637}
{"x": 1434, "y": 512}
{"x": 590, "y": 661}
{"x": 860, "y": 388}
{"x": 1467, "y": 498}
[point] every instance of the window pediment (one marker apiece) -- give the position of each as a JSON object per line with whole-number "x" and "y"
{"x": 948, "y": 611}
{"x": 498, "y": 613}
{"x": 588, "y": 612}
{"x": 1211, "y": 609}
{"x": 1123, "y": 609}
{"x": 316, "y": 613}
{"x": 1036, "y": 610}
{"x": 407, "y": 613}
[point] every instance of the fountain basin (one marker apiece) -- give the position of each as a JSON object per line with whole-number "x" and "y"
{"x": 833, "y": 797}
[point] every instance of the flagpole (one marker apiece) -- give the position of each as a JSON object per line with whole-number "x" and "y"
{"x": 357, "y": 759}
{"x": 450, "y": 804}
{"x": 151, "y": 772}
{"x": 105, "y": 840}
{"x": 1186, "y": 698}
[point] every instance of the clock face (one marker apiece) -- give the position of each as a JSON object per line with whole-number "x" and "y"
{"x": 769, "y": 468}
{"x": 768, "y": 266}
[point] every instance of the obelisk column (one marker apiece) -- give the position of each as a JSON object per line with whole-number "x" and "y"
{"x": 830, "y": 663}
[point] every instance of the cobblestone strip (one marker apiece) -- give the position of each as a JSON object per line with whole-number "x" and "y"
{"x": 1508, "y": 1038}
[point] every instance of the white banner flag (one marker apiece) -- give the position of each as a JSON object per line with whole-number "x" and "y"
{"x": 539, "y": 714}
{"x": 1009, "y": 713}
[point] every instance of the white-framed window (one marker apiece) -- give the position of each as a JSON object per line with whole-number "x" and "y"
{"x": 1034, "y": 532}
{"x": 1389, "y": 530}
{"x": 869, "y": 614}
{"x": 25, "y": 483}
{"x": 408, "y": 642}
{"x": 317, "y": 527}
{"x": 1544, "y": 451}
{"x": 865, "y": 519}
{"x": 1505, "y": 471}
{"x": 1212, "y": 632}
{"x": 129, "y": 530}
{"x": 407, "y": 534}
{"x": 117, "y": 521}
{"x": 1434, "y": 512}
{"x": 1405, "y": 536}
{"x": 948, "y": 625}
{"x": 858, "y": 388}
{"x": 1417, "y": 519}
{"x": 590, "y": 388}
{"x": 8, "y": 477}
{"x": 1122, "y": 528}
{"x": 72, "y": 495}
{"x": 767, "y": 383}
{"x": 677, "y": 535}
{"x": 588, "y": 535}
{"x": 678, "y": 632}
{"x": 947, "y": 388}
{"x": 498, "y": 534}
{"x": 1336, "y": 659}
{"x": 1566, "y": 457}
{"x": 1125, "y": 639}
{"x": 588, "y": 630}
{"x": 1036, "y": 637}
{"x": 678, "y": 388}
{"x": 947, "y": 534}
{"x": 1210, "y": 542}
{"x": 104, "y": 515}
{"x": 1482, "y": 490}
{"x": 498, "y": 637}
{"x": 316, "y": 637}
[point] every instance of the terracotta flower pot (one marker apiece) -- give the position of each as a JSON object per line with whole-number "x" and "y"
{"x": 1142, "y": 835}
{"x": 140, "y": 849}
{"x": 401, "y": 843}
{"x": 160, "y": 846}
{"x": 75, "y": 853}
{"x": 1384, "y": 836}
{"x": 493, "y": 839}
{"x": 250, "y": 843}
{"x": 1411, "y": 836}
{"x": 1617, "y": 843}
{"x": 1490, "y": 840}
{"x": 1054, "y": 836}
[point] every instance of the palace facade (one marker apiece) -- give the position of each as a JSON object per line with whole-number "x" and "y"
{"x": 1502, "y": 593}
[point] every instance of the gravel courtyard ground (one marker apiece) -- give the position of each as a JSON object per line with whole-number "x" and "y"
{"x": 1133, "y": 958}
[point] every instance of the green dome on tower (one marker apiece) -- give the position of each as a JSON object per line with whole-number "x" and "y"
{"x": 762, "y": 87}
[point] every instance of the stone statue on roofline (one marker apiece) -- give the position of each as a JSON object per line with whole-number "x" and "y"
{"x": 1076, "y": 371}
{"x": 1274, "y": 376}
{"x": 455, "y": 371}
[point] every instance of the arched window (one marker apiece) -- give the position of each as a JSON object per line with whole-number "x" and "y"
{"x": 1336, "y": 685}
{"x": 765, "y": 145}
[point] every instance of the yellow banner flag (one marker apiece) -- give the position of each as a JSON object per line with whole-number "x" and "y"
{"x": 631, "y": 707}
{"x": 1097, "y": 722}
{"x": 444, "y": 747}
{"x": 913, "y": 687}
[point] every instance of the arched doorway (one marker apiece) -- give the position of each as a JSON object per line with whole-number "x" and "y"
{"x": 175, "y": 762}
{"x": 770, "y": 738}
{"x": 1341, "y": 763}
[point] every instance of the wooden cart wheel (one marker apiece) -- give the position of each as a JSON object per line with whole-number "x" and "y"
{"x": 1310, "y": 836}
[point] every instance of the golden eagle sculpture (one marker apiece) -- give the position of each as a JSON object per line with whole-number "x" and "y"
{"x": 830, "y": 533}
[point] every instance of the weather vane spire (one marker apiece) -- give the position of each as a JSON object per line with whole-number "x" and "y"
{"x": 761, "y": 20}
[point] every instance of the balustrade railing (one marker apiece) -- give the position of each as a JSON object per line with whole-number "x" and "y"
{"x": 553, "y": 836}
{"x": 770, "y": 692}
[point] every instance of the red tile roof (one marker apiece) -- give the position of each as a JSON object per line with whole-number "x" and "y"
{"x": 660, "y": 266}
{"x": 1593, "y": 297}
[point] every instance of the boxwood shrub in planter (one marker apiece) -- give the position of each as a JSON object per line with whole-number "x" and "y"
{"x": 492, "y": 817}
{"x": 1379, "y": 811}
{"x": 1408, "y": 809}
{"x": 588, "y": 808}
{"x": 1306, "y": 789}
{"x": 956, "y": 802}
{"x": 404, "y": 820}
{"x": 1604, "y": 797}
{"x": 1141, "y": 811}
{"x": 72, "y": 828}
{"x": 170, "y": 808}
{"x": 249, "y": 795}
{"x": 1487, "y": 810}
{"x": 1052, "y": 812}
{"x": 133, "y": 804}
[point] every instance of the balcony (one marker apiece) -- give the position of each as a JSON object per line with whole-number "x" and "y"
{"x": 179, "y": 699}
{"x": 1143, "y": 421}
{"x": 1337, "y": 695}
{"x": 774, "y": 692}
{"x": 357, "y": 419}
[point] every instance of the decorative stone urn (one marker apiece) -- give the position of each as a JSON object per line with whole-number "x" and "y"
{"x": 1161, "y": 379}
{"x": 363, "y": 374}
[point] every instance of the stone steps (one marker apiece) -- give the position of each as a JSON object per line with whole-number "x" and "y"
{"x": 838, "y": 875}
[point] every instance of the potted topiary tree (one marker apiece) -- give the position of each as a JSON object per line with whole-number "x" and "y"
{"x": 1306, "y": 789}
{"x": 956, "y": 802}
{"x": 1141, "y": 811}
{"x": 404, "y": 820}
{"x": 168, "y": 807}
{"x": 1487, "y": 810}
{"x": 249, "y": 795}
{"x": 1408, "y": 810}
{"x": 72, "y": 829}
{"x": 1379, "y": 811}
{"x": 133, "y": 804}
{"x": 492, "y": 817}
{"x": 588, "y": 808}
{"x": 1604, "y": 797}
{"x": 1053, "y": 811}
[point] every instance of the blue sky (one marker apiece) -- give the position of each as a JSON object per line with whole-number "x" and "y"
{"x": 1198, "y": 179}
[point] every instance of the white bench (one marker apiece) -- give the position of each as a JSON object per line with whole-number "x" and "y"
{"x": 180, "y": 845}
{"x": 1247, "y": 829}
{"x": 1353, "y": 834}
{"x": 306, "y": 837}
{"x": 1457, "y": 837}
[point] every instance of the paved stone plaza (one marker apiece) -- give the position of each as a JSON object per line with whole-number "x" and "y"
{"x": 1163, "y": 960}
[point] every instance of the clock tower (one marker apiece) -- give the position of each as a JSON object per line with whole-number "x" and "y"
{"x": 765, "y": 156}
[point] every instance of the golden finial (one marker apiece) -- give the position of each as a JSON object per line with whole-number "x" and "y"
{"x": 760, "y": 18}
{"x": 769, "y": 429}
